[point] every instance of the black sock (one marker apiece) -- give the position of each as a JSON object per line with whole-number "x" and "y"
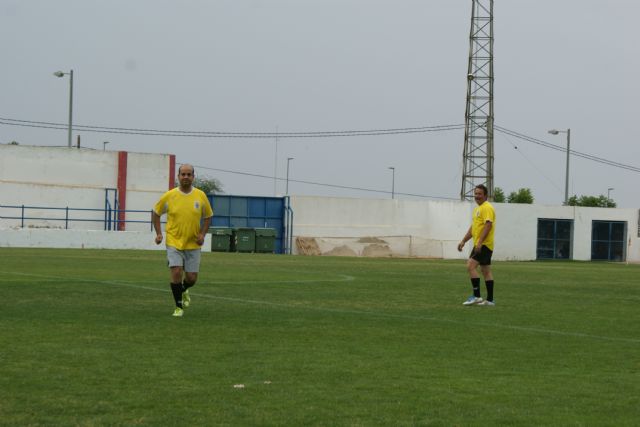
{"x": 176, "y": 289}
{"x": 475, "y": 283}
{"x": 186, "y": 285}
{"x": 489, "y": 284}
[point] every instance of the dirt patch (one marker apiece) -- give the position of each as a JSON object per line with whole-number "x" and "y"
{"x": 341, "y": 251}
{"x": 377, "y": 250}
{"x": 371, "y": 240}
{"x": 307, "y": 246}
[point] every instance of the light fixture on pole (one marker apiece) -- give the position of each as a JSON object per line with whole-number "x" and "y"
{"x": 393, "y": 181}
{"x": 288, "y": 160}
{"x": 104, "y": 145}
{"x": 566, "y": 178}
{"x": 70, "y": 74}
{"x": 609, "y": 190}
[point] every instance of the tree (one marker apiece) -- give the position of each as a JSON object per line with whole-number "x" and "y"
{"x": 498, "y": 195}
{"x": 523, "y": 195}
{"x": 208, "y": 185}
{"x": 600, "y": 201}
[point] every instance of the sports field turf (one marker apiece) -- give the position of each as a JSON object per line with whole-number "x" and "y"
{"x": 87, "y": 338}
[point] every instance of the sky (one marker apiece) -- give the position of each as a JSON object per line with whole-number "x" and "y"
{"x": 283, "y": 66}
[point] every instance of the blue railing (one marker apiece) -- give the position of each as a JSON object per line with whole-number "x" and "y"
{"x": 111, "y": 219}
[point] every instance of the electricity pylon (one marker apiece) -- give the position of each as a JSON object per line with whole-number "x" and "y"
{"x": 478, "y": 129}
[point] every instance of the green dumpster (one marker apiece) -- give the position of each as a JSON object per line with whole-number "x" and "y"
{"x": 265, "y": 240}
{"x": 220, "y": 239}
{"x": 243, "y": 240}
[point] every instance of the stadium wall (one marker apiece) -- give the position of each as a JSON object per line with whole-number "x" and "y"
{"x": 405, "y": 228}
{"x": 83, "y": 239}
{"x": 78, "y": 178}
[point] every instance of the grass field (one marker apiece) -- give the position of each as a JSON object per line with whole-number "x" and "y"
{"x": 87, "y": 338}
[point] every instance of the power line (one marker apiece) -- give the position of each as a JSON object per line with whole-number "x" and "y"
{"x": 573, "y": 152}
{"x": 344, "y": 187}
{"x": 515, "y": 147}
{"x": 307, "y": 134}
{"x": 223, "y": 134}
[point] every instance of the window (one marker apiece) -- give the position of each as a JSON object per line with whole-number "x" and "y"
{"x": 608, "y": 240}
{"x": 554, "y": 238}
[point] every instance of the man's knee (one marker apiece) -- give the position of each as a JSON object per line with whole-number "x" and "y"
{"x": 176, "y": 274}
{"x": 486, "y": 270}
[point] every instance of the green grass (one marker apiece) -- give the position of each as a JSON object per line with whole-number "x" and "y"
{"x": 87, "y": 338}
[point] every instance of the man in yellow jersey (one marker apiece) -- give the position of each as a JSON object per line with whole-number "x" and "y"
{"x": 188, "y": 217}
{"x": 481, "y": 230}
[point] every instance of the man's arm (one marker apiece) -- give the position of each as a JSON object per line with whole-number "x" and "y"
{"x": 464, "y": 240}
{"x": 203, "y": 230}
{"x": 483, "y": 235}
{"x": 155, "y": 218}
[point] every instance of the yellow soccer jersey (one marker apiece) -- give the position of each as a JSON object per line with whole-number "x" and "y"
{"x": 184, "y": 213}
{"x": 482, "y": 214}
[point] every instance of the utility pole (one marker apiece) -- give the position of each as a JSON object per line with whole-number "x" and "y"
{"x": 478, "y": 129}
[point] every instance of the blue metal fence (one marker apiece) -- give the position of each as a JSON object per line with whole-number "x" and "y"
{"x": 25, "y": 214}
{"x": 255, "y": 212}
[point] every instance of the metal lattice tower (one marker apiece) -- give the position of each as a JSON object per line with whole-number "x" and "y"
{"x": 478, "y": 130}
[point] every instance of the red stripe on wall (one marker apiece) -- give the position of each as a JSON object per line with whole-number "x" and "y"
{"x": 122, "y": 189}
{"x": 172, "y": 171}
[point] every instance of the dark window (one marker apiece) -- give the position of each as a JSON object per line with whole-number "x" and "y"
{"x": 608, "y": 240}
{"x": 554, "y": 239}
{"x": 601, "y": 230}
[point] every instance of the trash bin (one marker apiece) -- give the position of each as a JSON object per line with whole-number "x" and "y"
{"x": 220, "y": 239}
{"x": 265, "y": 240}
{"x": 243, "y": 240}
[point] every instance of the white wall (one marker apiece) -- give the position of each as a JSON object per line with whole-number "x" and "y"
{"x": 83, "y": 239}
{"x": 76, "y": 178}
{"x": 147, "y": 180}
{"x": 62, "y": 176}
{"x": 434, "y": 228}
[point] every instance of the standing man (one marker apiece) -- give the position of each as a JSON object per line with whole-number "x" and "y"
{"x": 188, "y": 217}
{"x": 482, "y": 228}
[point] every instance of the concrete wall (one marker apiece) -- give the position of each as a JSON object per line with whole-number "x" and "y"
{"x": 148, "y": 177}
{"x": 433, "y": 228}
{"x": 59, "y": 177}
{"x": 83, "y": 239}
{"x": 77, "y": 178}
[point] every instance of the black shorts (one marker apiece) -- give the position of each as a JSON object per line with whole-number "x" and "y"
{"x": 484, "y": 257}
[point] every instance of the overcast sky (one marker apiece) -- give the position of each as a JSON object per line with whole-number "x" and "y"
{"x": 329, "y": 65}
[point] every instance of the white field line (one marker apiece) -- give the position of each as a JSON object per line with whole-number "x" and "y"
{"x": 343, "y": 278}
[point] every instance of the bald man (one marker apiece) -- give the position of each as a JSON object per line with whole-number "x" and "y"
{"x": 188, "y": 217}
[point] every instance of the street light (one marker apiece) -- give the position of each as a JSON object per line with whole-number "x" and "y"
{"x": 288, "y": 160}
{"x": 393, "y": 181}
{"x": 104, "y": 145}
{"x": 566, "y": 178}
{"x": 70, "y": 74}
{"x": 609, "y": 192}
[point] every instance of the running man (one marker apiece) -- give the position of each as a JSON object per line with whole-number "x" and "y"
{"x": 188, "y": 217}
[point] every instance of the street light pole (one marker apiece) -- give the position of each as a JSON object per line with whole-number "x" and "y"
{"x": 288, "y": 160}
{"x": 70, "y": 74}
{"x": 566, "y": 178}
{"x": 609, "y": 192}
{"x": 393, "y": 181}
{"x": 104, "y": 145}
